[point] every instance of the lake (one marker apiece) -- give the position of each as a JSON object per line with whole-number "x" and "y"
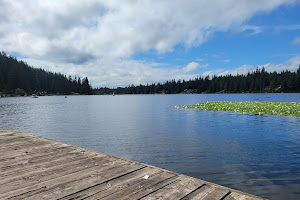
{"x": 257, "y": 154}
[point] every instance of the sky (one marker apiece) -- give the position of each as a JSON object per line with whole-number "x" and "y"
{"x": 122, "y": 42}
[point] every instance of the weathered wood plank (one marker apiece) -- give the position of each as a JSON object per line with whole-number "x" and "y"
{"x": 135, "y": 189}
{"x": 8, "y": 132}
{"x": 37, "y": 152}
{"x": 11, "y": 137}
{"x": 56, "y": 170}
{"x": 27, "y": 162}
{"x": 200, "y": 193}
{"x": 42, "y": 166}
{"x": 32, "y": 155}
{"x": 38, "y": 168}
{"x": 70, "y": 184}
{"x": 56, "y": 179}
{"x": 216, "y": 193}
{"x": 45, "y": 174}
{"x": 19, "y": 145}
{"x": 183, "y": 186}
{"x": 31, "y": 147}
{"x": 239, "y": 196}
{"x": 114, "y": 185}
{"x": 14, "y": 140}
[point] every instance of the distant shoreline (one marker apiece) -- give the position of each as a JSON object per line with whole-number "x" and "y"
{"x": 10, "y": 95}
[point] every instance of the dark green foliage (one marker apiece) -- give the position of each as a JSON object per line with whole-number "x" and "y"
{"x": 16, "y": 76}
{"x": 85, "y": 87}
{"x": 257, "y": 81}
{"x": 19, "y": 92}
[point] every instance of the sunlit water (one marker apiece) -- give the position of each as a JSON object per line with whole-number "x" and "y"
{"x": 258, "y": 154}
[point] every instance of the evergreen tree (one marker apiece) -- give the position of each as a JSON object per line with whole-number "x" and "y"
{"x": 298, "y": 80}
{"x": 86, "y": 88}
{"x": 16, "y": 74}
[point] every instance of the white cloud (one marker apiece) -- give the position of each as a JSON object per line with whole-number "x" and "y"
{"x": 296, "y": 41}
{"x": 98, "y": 37}
{"x": 124, "y": 72}
{"x": 116, "y": 72}
{"x": 292, "y": 65}
{"x": 226, "y": 60}
{"x": 193, "y": 66}
{"x": 249, "y": 28}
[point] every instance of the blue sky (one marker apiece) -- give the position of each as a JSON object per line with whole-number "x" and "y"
{"x": 272, "y": 43}
{"x": 118, "y": 43}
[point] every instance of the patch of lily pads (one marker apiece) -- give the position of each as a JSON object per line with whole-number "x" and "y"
{"x": 251, "y": 107}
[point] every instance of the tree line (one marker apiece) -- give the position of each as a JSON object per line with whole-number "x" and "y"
{"x": 254, "y": 82}
{"x": 17, "y": 77}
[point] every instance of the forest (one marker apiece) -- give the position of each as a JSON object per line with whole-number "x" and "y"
{"x": 18, "y": 78}
{"x": 254, "y": 82}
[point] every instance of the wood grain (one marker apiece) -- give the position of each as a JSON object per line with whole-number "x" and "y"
{"x": 34, "y": 167}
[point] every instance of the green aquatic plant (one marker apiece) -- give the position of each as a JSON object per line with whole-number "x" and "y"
{"x": 251, "y": 107}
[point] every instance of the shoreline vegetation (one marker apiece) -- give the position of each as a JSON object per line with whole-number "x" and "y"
{"x": 17, "y": 78}
{"x": 258, "y": 81}
{"x": 250, "y": 107}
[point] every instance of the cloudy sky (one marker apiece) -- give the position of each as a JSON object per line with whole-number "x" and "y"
{"x": 121, "y": 42}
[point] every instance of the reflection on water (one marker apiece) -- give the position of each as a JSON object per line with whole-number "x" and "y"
{"x": 253, "y": 153}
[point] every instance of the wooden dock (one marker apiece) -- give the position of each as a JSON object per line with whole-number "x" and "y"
{"x": 37, "y": 168}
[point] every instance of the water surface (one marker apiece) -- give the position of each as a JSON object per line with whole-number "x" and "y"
{"x": 258, "y": 154}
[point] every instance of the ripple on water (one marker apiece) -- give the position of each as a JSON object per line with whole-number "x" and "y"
{"x": 258, "y": 154}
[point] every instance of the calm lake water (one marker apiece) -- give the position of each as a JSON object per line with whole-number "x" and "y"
{"x": 258, "y": 154}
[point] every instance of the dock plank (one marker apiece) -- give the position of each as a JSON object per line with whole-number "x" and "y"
{"x": 178, "y": 189}
{"x": 136, "y": 189}
{"x": 54, "y": 171}
{"x": 238, "y": 196}
{"x": 199, "y": 193}
{"x": 70, "y": 184}
{"x": 33, "y": 147}
{"x": 113, "y": 185}
{"x": 217, "y": 193}
{"x": 42, "y": 160}
{"x": 34, "y": 167}
{"x": 57, "y": 174}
